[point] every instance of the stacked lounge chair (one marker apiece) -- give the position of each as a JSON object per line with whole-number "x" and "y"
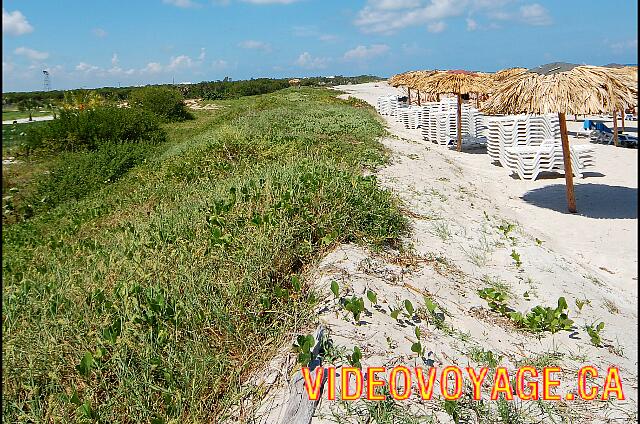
{"x": 388, "y": 105}
{"x": 530, "y": 144}
{"x": 439, "y": 123}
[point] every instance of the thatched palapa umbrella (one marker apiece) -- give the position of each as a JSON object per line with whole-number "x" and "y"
{"x": 562, "y": 88}
{"x": 455, "y": 82}
{"x": 628, "y": 74}
{"x": 411, "y": 80}
{"x": 503, "y": 74}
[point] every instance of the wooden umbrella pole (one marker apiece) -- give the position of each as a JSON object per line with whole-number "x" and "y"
{"x": 566, "y": 157}
{"x": 419, "y": 98}
{"x": 615, "y": 128}
{"x": 622, "y": 118}
{"x": 477, "y": 100}
{"x": 409, "y": 94}
{"x": 459, "y": 148}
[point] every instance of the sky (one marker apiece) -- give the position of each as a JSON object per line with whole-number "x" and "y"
{"x": 87, "y": 44}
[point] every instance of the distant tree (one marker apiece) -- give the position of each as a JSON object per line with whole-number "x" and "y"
{"x": 28, "y": 104}
{"x": 82, "y": 99}
{"x": 166, "y": 103}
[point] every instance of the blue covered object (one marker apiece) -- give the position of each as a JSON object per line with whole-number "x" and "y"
{"x": 600, "y": 126}
{"x": 588, "y": 124}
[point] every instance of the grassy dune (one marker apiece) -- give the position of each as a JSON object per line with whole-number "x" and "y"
{"x": 152, "y": 298}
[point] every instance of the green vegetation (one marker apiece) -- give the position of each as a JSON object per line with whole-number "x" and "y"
{"x": 90, "y": 129}
{"x": 153, "y": 296}
{"x": 355, "y": 305}
{"x": 165, "y": 103}
{"x": 539, "y": 319}
{"x": 209, "y": 90}
{"x": 516, "y": 258}
{"x": 593, "y": 331}
{"x": 303, "y": 347}
{"x": 355, "y": 357}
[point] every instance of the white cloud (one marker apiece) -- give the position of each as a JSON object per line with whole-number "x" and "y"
{"x": 182, "y": 61}
{"x": 364, "y": 52}
{"x": 436, "y": 27}
{"x": 15, "y": 23}
{"x": 7, "y": 67}
{"x": 181, "y": 3}
{"x": 99, "y": 32}
{"x": 472, "y": 25}
{"x": 114, "y": 60}
{"x": 255, "y": 45}
{"x": 202, "y": 54}
{"x": 305, "y": 60}
{"x": 86, "y": 67}
{"x": 372, "y": 18}
{"x": 152, "y": 68}
{"x": 389, "y": 16}
{"x": 31, "y": 54}
{"x": 395, "y": 4}
{"x": 535, "y": 14}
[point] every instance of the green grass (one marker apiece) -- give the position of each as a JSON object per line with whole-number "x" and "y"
{"x": 13, "y": 135}
{"x": 156, "y": 295}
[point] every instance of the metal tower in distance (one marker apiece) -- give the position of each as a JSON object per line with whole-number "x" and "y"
{"x": 47, "y": 82}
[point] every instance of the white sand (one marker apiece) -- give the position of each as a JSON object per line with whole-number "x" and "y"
{"x": 457, "y": 201}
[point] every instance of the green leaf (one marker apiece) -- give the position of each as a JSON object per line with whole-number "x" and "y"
{"x": 417, "y": 331}
{"x": 295, "y": 283}
{"x": 562, "y": 303}
{"x": 86, "y": 410}
{"x": 335, "y": 288}
{"x": 74, "y": 398}
{"x": 372, "y": 297}
{"x": 409, "y": 307}
{"x": 431, "y": 306}
{"x": 417, "y": 348}
{"x": 86, "y": 364}
{"x": 394, "y": 313}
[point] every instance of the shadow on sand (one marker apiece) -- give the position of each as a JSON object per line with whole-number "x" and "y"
{"x": 592, "y": 200}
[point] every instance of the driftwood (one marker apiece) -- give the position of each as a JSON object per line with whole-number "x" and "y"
{"x": 300, "y": 408}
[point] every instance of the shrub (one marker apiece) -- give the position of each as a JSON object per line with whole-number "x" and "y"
{"x": 163, "y": 102}
{"x": 91, "y": 128}
{"x": 78, "y": 174}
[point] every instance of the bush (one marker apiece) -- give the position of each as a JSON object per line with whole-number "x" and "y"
{"x": 163, "y": 102}
{"x": 91, "y": 128}
{"x": 78, "y": 174}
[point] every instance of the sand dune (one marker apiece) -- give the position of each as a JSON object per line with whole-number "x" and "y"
{"x": 457, "y": 202}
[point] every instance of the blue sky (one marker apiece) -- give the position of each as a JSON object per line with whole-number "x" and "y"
{"x": 106, "y": 43}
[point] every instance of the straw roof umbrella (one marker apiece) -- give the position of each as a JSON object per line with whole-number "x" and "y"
{"x": 402, "y": 79}
{"x": 455, "y": 82}
{"x": 562, "y": 89}
{"x": 503, "y": 74}
{"x": 410, "y": 80}
{"x": 628, "y": 74}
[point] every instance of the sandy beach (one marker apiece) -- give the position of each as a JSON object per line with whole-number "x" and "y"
{"x": 458, "y": 202}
